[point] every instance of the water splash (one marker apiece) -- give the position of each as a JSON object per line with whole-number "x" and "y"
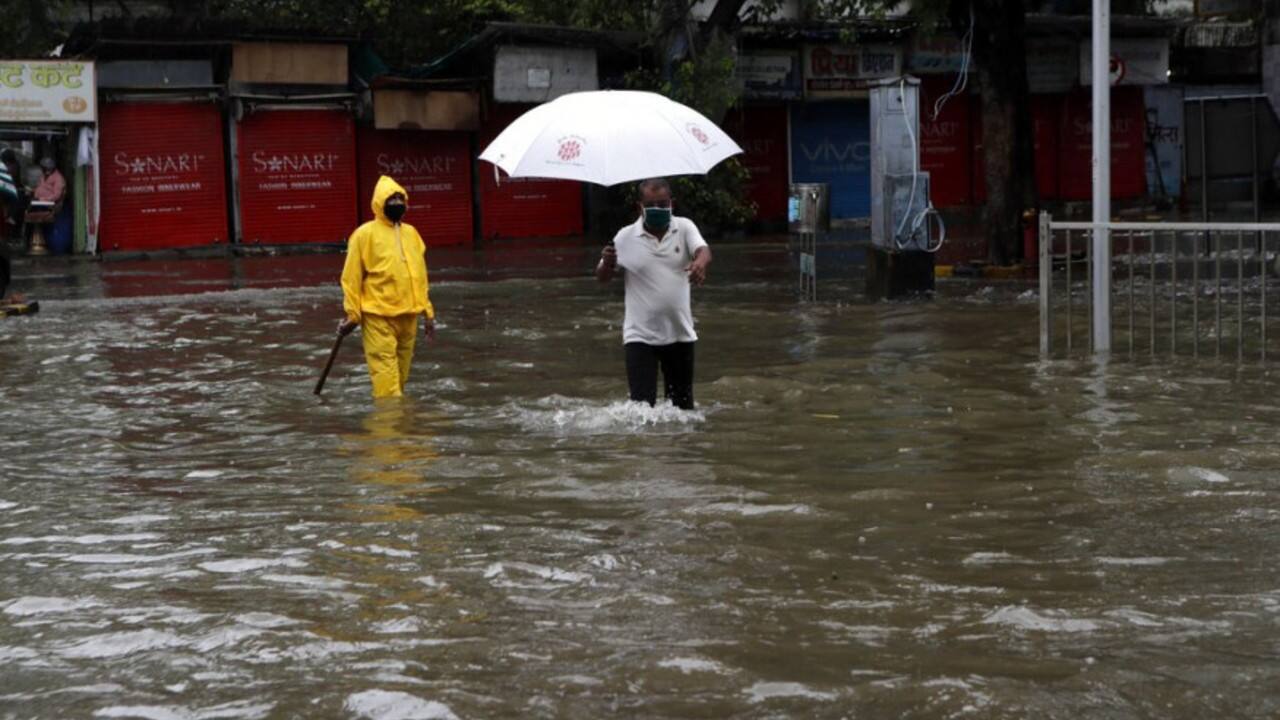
{"x": 571, "y": 416}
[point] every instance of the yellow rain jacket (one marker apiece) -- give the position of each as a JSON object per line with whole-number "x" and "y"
{"x": 386, "y": 269}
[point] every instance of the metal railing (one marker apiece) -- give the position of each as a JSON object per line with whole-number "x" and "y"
{"x": 1176, "y": 288}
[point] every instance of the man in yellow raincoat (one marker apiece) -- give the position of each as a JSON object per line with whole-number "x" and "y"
{"x": 384, "y": 289}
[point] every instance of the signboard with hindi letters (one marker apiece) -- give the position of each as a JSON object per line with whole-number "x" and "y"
{"x": 935, "y": 54}
{"x": 773, "y": 75}
{"x": 35, "y": 91}
{"x": 845, "y": 71}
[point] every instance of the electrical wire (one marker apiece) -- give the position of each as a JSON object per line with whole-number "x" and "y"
{"x": 922, "y": 217}
{"x": 962, "y": 80}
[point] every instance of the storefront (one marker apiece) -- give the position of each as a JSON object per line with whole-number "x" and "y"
{"x": 296, "y": 175}
{"x": 831, "y": 130}
{"x": 163, "y": 179}
{"x": 48, "y": 109}
{"x": 164, "y": 161}
{"x": 293, "y": 141}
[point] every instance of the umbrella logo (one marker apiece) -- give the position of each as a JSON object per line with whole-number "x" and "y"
{"x": 570, "y": 149}
{"x": 698, "y": 134}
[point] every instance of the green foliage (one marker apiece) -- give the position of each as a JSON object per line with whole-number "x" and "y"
{"x": 32, "y": 28}
{"x": 411, "y": 32}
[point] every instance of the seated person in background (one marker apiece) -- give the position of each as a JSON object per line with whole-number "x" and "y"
{"x": 53, "y": 186}
{"x": 51, "y": 190}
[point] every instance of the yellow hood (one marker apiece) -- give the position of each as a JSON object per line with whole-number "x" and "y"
{"x": 385, "y": 188}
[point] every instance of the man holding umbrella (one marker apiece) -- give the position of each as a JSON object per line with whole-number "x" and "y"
{"x": 659, "y": 256}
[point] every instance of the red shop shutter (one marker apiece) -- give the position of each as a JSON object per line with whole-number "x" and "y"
{"x": 946, "y": 147}
{"x": 1046, "y": 117}
{"x": 761, "y": 130}
{"x": 163, "y": 176}
{"x": 1128, "y": 171}
{"x": 297, "y": 176}
{"x": 1046, "y": 121}
{"x": 523, "y": 207}
{"x": 434, "y": 168}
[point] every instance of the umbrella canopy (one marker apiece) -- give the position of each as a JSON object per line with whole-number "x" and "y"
{"x": 609, "y": 137}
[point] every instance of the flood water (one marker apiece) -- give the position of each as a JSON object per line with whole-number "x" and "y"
{"x": 876, "y": 511}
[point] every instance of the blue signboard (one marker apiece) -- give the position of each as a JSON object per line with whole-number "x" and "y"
{"x": 831, "y": 143}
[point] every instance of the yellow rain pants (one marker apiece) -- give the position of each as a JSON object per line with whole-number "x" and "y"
{"x": 388, "y": 349}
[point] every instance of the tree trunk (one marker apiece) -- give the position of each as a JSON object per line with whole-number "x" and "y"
{"x": 999, "y": 51}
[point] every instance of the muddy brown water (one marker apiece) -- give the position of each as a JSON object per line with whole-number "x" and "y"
{"x": 889, "y": 510}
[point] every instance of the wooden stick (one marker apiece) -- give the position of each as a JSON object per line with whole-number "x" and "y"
{"x": 333, "y": 355}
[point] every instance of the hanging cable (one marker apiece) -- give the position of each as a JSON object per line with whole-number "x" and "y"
{"x": 962, "y": 80}
{"x": 921, "y": 218}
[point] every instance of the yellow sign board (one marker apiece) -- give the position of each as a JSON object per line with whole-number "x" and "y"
{"x": 40, "y": 91}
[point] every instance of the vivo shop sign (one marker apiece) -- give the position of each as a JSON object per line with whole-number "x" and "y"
{"x": 36, "y": 91}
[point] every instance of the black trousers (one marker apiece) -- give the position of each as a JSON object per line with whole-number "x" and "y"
{"x": 677, "y": 372}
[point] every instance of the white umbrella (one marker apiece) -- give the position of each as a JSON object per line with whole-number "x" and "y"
{"x": 609, "y": 137}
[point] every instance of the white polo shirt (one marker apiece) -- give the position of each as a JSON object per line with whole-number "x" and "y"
{"x": 657, "y": 283}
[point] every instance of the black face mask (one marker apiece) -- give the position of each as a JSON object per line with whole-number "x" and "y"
{"x": 394, "y": 212}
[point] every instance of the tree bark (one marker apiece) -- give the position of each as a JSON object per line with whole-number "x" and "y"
{"x": 999, "y": 51}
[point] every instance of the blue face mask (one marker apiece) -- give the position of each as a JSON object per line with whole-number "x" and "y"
{"x": 657, "y": 219}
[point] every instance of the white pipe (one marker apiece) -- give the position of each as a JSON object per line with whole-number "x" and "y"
{"x": 1101, "y": 176}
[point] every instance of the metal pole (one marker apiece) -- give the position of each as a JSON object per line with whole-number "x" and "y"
{"x": 1173, "y": 294}
{"x": 1195, "y": 295}
{"x": 1070, "y": 291}
{"x": 1239, "y": 297}
{"x": 813, "y": 275}
{"x": 1101, "y": 176}
{"x": 800, "y": 258}
{"x": 1253, "y": 131}
{"x": 1151, "y": 289}
{"x": 1217, "y": 295}
{"x": 1204, "y": 171}
{"x": 1204, "y": 164}
{"x": 1262, "y": 267}
{"x": 1088, "y": 290}
{"x": 1046, "y": 284}
{"x": 1132, "y": 261}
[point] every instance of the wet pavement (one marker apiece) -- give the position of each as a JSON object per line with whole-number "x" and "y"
{"x": 877, "y": 510}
